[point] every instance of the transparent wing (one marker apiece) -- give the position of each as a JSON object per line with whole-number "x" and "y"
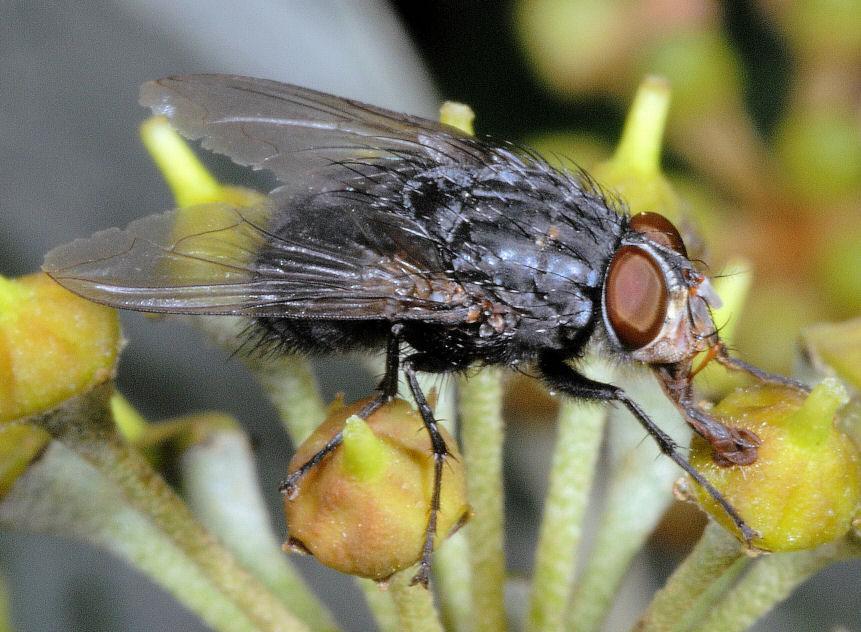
{"x": 200, "y": 259}
{"x": 221, "y": 259}
{"x": 292, "y": 130}
{"x": 324, "y": 248}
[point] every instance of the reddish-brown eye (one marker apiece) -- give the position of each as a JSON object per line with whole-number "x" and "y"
{"x": 635, "y": 297}
{"x": 659, "y": 229}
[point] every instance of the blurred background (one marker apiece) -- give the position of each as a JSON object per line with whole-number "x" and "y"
{"x": 763, "y": 142}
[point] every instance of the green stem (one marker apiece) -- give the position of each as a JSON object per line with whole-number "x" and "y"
{"x": 381, "y": 605}
{"x": 453, "y": 582}
{"x": 636, "y": 498}
{"x": 770, "y": 581}
{"x": 693, "y": 618}
{"x": 482, "y": 436}
{"x": 129, "y": 511}
{"x": 715, "y": 554}
{"x": 414, "y": 604}
{"x": 219, "y": 478}
{"x": 111, "y": 497}
{"x": 578, "y": 443}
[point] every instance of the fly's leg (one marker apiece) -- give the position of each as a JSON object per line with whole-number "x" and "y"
{"x": 730, "y": 446}
{"x": 561, "y": 377}
{"x": 425, "y": 363}
{"x": 388, "y": 389}
{"x": 290, "y": 486}
{"x": 740, "y": 365}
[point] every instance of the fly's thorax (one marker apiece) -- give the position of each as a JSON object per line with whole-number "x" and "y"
{"x": 655, "y": 305}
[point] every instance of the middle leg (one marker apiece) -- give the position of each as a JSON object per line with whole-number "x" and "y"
{"x": 388, "y": 389}
{"x": 427, "y": 363}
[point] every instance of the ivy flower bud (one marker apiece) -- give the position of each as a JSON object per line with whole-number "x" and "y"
{"x": 363, "y": 510}
{"x": 53, "y": 345}
{"x": 805, "y": 487}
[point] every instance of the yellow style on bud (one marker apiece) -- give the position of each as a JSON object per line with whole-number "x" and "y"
{"x": 457, "y": 115}
{"x": 634, "y": 170}
{"x": 366, "y": 456}
{"x": 189, "y": 180}
{"x": 805, "y": 487}
{"x": 213, "y": 221}
{"x": 363, "y": 510}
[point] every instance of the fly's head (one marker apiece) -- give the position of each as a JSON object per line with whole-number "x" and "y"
{"x": 656, "y": 306}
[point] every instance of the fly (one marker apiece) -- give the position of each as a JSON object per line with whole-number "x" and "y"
{"x": 389, "y": 231}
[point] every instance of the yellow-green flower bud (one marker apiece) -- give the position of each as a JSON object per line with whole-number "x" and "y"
{"x": 363, "y": 510}
{"x": 53, "y": 345}
{"x": 804, "y": 488}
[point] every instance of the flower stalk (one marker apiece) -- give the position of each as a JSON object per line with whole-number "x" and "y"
{"x": 482, "y": 434}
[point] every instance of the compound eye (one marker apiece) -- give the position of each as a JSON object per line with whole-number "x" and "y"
{"x": 635, "y": 297}
{"x": 660, "y": 230}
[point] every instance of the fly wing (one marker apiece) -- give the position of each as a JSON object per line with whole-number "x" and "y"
{"x": 220, "y": 259}
{"x": 199, "y": 259}
{"x": 332, "y": 243}
{"x": 292, "y": 130}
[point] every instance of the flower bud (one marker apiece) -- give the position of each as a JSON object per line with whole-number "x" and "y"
{"x": 820, "y": 153}
{"x": 804, "y": 488}
{"x": 363, "y": 509}
{"x": 53, "y": 345}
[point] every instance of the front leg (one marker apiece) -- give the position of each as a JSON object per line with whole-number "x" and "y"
{"x": 559, "y": 376}
{"x": 730, "y": 446}
{"x": 729, "y": 362}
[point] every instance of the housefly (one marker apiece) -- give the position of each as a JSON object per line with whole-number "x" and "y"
{"x": 393, "y": 232}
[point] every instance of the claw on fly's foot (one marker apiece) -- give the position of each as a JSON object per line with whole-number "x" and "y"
{"x": 422, "y": 577}
{"x": 739, "y": 449}
{"x": 804, "y": 488}
{"x": 363, "y": 509}
{"x": 289, "y": 490}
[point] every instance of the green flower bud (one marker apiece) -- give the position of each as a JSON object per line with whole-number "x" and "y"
{"x": 805, "y": 487}
{"x": 572, "y": 46}
{"x": 363, "y": 510}
{"x": 820, "y": 153}
{"x": 826, "y": 30}
{"x": 835, "y": 349}
{"x": 53, "y": 345}
{"x": 703, "y": 68}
